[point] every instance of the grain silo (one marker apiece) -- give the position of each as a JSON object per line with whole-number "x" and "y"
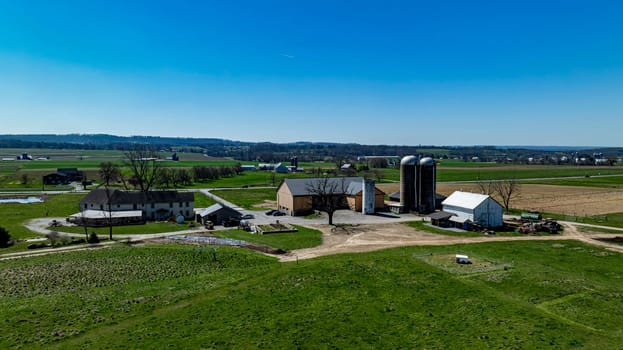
{"x": 426, "y": 187}
{"x": 408, "y": 198}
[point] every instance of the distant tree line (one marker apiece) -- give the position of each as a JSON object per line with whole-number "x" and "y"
{"x": 280, "y": 152}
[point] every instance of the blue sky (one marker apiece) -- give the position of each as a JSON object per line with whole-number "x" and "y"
{"x": 383, "y": 72}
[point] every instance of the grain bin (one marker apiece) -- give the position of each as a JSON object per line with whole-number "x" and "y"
{"x": 408, "y": 166}
{"x": 425, "y": 186}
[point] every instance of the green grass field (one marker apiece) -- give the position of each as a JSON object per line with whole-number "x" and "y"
{"x": 150, "y": 227}
{"x": 303, "y": 238}
{"x": 525, "y": 295}
{"x": 604, "y": 182}
{"x": 248, "y": 198}
{"x": 14, "y": 215}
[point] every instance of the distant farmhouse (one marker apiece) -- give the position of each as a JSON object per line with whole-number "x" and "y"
{"x": 295, "y": 198}
{"x": 278, "y": 167}
{"x": 63, "y": 176}
{"x": 152, "y": 205}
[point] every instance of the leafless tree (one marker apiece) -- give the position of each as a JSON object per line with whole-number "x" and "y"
{"x": 507, "y": 190}
{"x": 24, "y": 179}
{"x": 144, "y": 166}
{"x": 328, "y": 194}
{"x": 487, "y": 187}
{"x": 378, "y": 174}
{"x": 109, "y": 172}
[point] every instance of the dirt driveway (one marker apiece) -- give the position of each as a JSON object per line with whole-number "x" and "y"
{"x": 371, "y": 237}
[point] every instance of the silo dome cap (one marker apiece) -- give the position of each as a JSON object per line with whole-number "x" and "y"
{"x": 409, "y": 160}
{"x": 427, "y": 161}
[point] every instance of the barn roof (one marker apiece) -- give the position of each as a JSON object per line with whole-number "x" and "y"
{"x": 300, "y": 187}
{"x": 465, "y": 200}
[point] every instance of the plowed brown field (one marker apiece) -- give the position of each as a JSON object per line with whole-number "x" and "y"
{"x": 568, "y": 200}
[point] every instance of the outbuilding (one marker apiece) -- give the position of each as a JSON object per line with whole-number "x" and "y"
{"x": 477, "y": 208}
{"x": 217, "y": 214}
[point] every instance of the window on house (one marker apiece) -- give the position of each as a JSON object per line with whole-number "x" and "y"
{"x": 152, "y": 205}
{"x": 171, "y": 205}
{"x": 101, "y": 207}
{"x": 187, "y": 204}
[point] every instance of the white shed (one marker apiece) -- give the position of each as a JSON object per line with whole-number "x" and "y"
{"x": 479, "y": 208}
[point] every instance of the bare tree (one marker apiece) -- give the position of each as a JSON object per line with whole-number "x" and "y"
{"x": 378, "y": 174}
{"x": 328, "y": 194}
{"x": 109, "y": 172}
{"x": 144, "y": 166}
{"x": 488, "y": 187}
{"x": 507, "y": 190}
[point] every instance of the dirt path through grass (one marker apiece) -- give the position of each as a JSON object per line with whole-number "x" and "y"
{"x": 366, "y": 238}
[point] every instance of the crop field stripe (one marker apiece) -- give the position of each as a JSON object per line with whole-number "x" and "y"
{"x": 563, "y": 319}
{"x": 538, "y": 307}
{"x": 482, "y": 273}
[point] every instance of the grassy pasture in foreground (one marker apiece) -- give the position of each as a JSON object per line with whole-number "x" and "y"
{"x": 551, "y": 295}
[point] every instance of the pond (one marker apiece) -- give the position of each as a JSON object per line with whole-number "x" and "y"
{"x": 27, "y": 200}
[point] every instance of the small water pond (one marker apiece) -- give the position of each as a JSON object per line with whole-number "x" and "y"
{"x": 26, "y": 200}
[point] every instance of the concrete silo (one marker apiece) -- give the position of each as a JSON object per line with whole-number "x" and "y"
{"x": 408, "y": 197}
{"x": 426, "y": 186}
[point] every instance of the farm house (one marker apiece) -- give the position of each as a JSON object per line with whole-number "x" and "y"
{"x": 478, "y": 208}
{"x": 216, "y": 213}
{"x": 155, "y": 205}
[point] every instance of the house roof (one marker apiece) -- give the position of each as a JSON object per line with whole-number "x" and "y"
{"x": 101, "y": 196}
{"x": 465, "y": 200}
{"x": 300, "y": 186}
{"x": 56, "y": 174}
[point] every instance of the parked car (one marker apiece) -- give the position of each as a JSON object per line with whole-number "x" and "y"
{"x": 247, "y": 216}
{"x": 278, "y": 213}
{"x": 271, "y": 212}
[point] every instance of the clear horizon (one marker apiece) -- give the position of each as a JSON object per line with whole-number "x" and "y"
{"x": 397, "y": 73}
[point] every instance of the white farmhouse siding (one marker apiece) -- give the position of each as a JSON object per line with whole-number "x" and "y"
{"x": 156, "y": 205}
{"x": 478, "y": 208}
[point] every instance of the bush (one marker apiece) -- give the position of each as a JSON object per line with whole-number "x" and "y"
{"x": 93, "y": 238}
{"x": 5, "y": 238}
{"x": 37, "y": 245}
